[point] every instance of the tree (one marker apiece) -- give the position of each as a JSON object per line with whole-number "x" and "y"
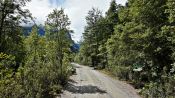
{"x": 42, "y": 75}
{"x": 91, "y": 34}
{"x": 106, "y": 28}
{"x": 136, "y": 43}
{"x": 141, "y": 44}
{"x": 11, "y": 14}
{"x": 112, "y": 15}
{"x": 58, "y": 23}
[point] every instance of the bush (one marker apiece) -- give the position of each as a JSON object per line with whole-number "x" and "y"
{"x": 9, "y": 85}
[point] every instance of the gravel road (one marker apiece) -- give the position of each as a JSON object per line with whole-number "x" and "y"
{"x": 89, "y": 83}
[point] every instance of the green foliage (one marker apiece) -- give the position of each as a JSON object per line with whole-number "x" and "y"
{"x": 11, "y": 46}
{"x": 11, "y": 15}
{"x": 136, "y": 43}
{"x": 45, "y": 67}
{"x": 58, "y": 22}
{"x": 98, "y": 30}
{"x": 7, "y": 80}
{"x": 91, "y": 38}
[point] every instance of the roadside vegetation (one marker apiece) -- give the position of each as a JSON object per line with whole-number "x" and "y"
{"x": 135, "y": 42}
{"x": 34, "y": 66}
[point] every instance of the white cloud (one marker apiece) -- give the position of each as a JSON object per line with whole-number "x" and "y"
{"x": 39, "y": 9}
{"x": 76, "y": 10}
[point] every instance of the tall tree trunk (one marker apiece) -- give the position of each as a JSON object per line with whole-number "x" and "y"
{"x": 2, "y": 25}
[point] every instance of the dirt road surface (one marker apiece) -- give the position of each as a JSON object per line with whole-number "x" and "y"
{"x": 89, "y": 83}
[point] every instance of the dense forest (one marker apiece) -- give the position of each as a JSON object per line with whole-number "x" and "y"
{"x": 136, "y": 43}
{"x": 33, "y": 66}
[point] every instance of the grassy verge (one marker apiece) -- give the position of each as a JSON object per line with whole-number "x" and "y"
{"x": 113, "y": 76}
{"x": 105, "y": 71}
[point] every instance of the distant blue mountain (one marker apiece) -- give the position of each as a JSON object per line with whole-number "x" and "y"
{"x": 28, "y": 29}
{"x": 41, "y": 31}
{"x": 75, "y": 47}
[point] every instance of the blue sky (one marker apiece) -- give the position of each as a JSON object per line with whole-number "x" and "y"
{"x": 75, "y": 9}
{"x": 56, "y": 2}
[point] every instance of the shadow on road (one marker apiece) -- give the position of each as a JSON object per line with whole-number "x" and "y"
{"x": 77, "y": 66}
{"x": 71, "y": 81}
{"x": 84, "y": 89}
